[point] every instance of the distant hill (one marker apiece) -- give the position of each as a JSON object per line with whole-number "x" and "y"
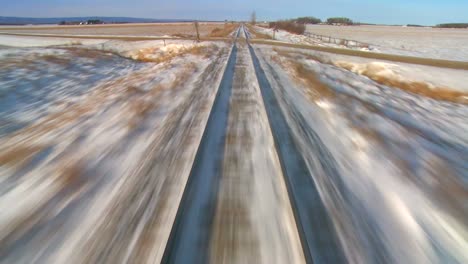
{"x": 57, "y": 20}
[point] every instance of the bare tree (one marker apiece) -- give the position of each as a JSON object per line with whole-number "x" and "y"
{"x": 253, "y": 18}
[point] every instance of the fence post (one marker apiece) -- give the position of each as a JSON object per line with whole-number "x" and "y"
{"x": 196, "y": 29}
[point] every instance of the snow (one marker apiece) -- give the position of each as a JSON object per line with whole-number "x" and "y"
{"x": 23, "y": 41}
{"x": 38, "y": 81}
{"x": 96, "y": 145}
{"x": 284, "y": 36}
{"x": 428, "y": 43}
{"x": 397, "y": 191}
{"x": 449, "y": 44}
{"x": 434, "y": 76}
{"x": 91, "y": 124}
{"x": 65, "y": 73}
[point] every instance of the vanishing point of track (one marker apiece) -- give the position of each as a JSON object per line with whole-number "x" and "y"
{"x": 189, "y": 241}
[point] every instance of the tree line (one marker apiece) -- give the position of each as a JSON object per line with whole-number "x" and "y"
{"x": 331, "y": 20}
{"x": 297, "y": 25}
{"x": 453, "y": 25}
{"x": 88, "y": 22}
{"x": 314, "y": 20}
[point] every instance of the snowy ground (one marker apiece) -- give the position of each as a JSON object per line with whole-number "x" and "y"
{"x": 436, "y": 43}
{"x": 98, "y": 139}
{"x": 23, "y": 41}
{"x": 285, "y": 36}
{"x": 451, "y": 79}
{"x": 445, "y": 44}
{"x": 390, "y": 165}
{"x": 81, "y": 129}
{"x": 39, "y": 81}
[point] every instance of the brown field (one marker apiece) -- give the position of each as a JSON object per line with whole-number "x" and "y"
{"x": 223, "y": 30}
{"x": 257, "y": 34}
{"x": 147, "y": 29}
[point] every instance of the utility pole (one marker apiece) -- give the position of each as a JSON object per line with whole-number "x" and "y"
{"x": 253, "y": 18}
{"x": 196, "y": 29}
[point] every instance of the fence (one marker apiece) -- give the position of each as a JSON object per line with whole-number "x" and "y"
{"x": 338, "y": 41}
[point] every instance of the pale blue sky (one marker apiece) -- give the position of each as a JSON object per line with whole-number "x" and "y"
{"x": 373, "y": 11}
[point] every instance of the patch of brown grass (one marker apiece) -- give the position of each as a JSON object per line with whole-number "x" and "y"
{"x": 205, "y": 51}
{"x": 284, "y": 53}
{"x": 86, "y": 53}
{"x": 298, "y": 54}
{"x": 143, "y": 57}
{"x": 306, "y": 77}
{"x": 139, "y": 108}
{"x": 184, "y": 75}
{"x": 72, "y": 176}
{"x": 198, "y": 50}
{"x": 142, "y": 107}
{"x": 182, "y": 35}
{"x": 18, "y": 155}
{"x": 419, "y": 88}
{"x": 263, "y": 25}
{"x": 56, "y": 59}
{"x": 424, "y": 89}
{"x": 132, "y": 90}
{"x": 258, "y": 34}
{"x": 142, "y": 103}
{"x": 312, "y": 81}
{"x": 225, "y": 31}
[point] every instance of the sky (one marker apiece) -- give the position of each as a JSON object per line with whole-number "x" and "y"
{"x": 424, "y": 12}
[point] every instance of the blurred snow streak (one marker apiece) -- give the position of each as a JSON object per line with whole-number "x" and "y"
{"x": 95, "y": 150}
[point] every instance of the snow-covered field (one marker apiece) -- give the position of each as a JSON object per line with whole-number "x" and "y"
{"x": 450, "y": 44}
{"x": 98, "y": 139}
{"x": 450, "y": 79}
{"x": 81, "y": 129}
{"x": 433, "y": 77}
{"x": 27, "y": 41}
{"x": 391, "y": 166}
{"x": 284, "y": 36}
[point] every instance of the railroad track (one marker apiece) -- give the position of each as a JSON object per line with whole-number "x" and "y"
{"x": 191, "y": 231}
{"x": 318, "y": 237}
{"x": 221, "y": 215}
